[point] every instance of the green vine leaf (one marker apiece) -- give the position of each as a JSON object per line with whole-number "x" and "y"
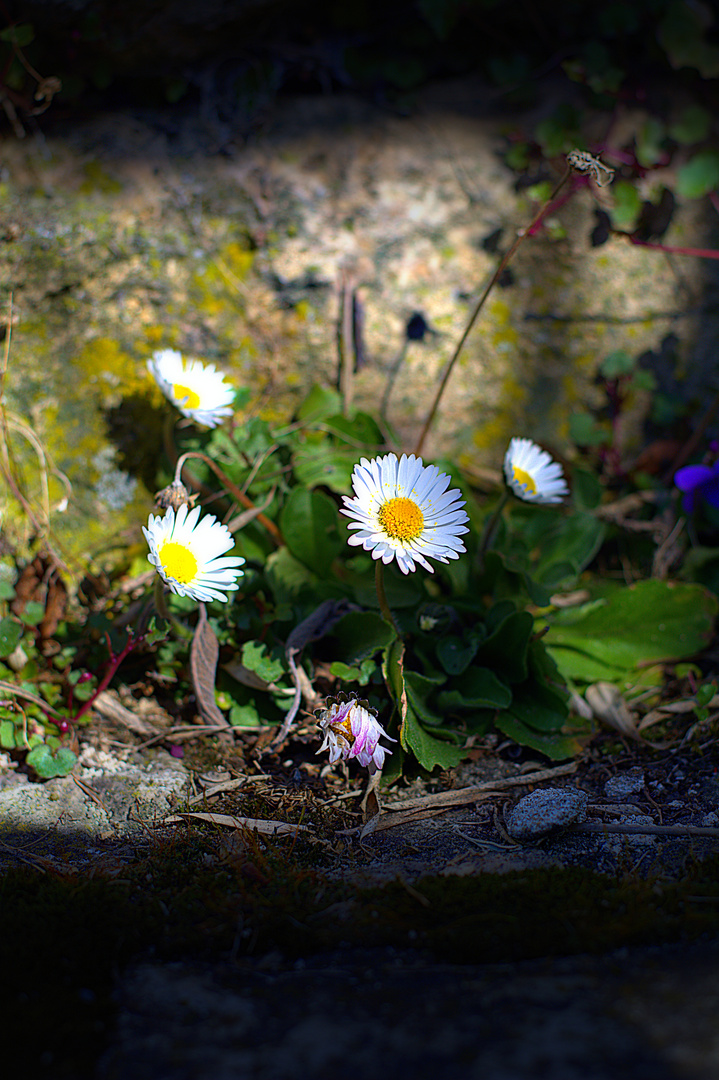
{"x": 699, "y": 176}
{"x": 46, "y": 764}
{"x": 11, "y": 632}
{"x": 256, "y": 659}
{"x": 645, "y": 623}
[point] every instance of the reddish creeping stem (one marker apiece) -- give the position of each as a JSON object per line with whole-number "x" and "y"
{"x": 113, "y": 665}
{"x": 700, "y": 253}
{"x": 583, "y": 181}
{"x": 575, "y": 183}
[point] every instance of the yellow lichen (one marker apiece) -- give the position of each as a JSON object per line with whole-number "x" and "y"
{"x": 237, "y": 259}
{"x": 104, "y": 364}
{"x": 156, "y": 335}
{"x": 504, "y": 335}
{"x": 98, "y": 180}
{"x": 492, "y": 432}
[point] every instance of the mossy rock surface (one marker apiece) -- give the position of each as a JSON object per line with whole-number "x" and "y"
{"x": 129, "y": 233}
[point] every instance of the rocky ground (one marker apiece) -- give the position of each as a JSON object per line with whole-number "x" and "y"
{"x": 513, "y": 918}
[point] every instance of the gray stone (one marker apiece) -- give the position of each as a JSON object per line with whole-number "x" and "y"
{"x": 624, "y": 785}
{"x": 110, "y": 801}
{"x": 545, "y": 810}
{"x": 58, "y": 805}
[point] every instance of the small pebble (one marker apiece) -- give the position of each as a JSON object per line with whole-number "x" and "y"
{"x": 544, "y": 810}
{"x": 624, "y": 785}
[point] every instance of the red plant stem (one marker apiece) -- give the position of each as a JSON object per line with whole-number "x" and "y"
{"x": 700, "y": 253}
{"x": 232, "y": 488}
{"x": 557, "y": 204}
{"x": 616, "y": 155}
{"x": 112, "y": 667}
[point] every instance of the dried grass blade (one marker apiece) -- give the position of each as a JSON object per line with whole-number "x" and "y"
{"x": 265, "y": 826}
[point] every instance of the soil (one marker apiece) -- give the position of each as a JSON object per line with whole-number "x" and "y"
{"x": 181, "y": 946}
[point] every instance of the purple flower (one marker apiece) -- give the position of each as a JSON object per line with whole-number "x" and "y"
{"x": 351, "y": 729}
{"x": 698, "y": 482}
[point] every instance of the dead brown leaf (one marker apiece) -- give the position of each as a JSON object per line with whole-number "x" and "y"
{"x": 608, "y": 705}
{"x": 204, "y": 653}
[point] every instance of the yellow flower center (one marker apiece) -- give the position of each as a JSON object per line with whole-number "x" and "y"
{"x": 525, "y": 479}
{"x": 401, "y": 519}
{"x": 186, "y": 397}
{"x": 178, "y": 562}
{"x": 344, "y": 727}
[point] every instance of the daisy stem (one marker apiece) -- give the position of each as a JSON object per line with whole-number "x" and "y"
{"x": 490, "y": 529}
{"x": 522, "y": 234}
{"x": 160, "y": 605}
{"x": 168, "y": 434}
{"x": 382, "y": 596}
{"x": 163, "y": 611}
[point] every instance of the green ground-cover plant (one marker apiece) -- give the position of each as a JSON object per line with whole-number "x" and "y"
{"x": 456, "y": 650}
{"x": 440, "y": 657}
{"x": 29, "y": 718}
{"x": 43, "y": 698}
{"x": 431, "y": 611}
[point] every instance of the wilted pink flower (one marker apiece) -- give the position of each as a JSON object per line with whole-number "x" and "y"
{"x": 352, "y": 730}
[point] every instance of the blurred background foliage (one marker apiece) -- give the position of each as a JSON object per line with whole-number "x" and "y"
{"x": 241, "y": 55}
{"x": 582, "y": 66}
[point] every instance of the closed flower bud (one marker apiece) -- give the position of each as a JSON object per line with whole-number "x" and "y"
{"x": 174, "y": 495}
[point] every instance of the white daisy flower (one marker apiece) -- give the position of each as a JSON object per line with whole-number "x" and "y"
{"x": 531, "y": 473}
{"x": 196, "y": 389}
{"x": 186, "y": 554}
{"x": 403, "y": 510}
{"x": 351, "y": 729}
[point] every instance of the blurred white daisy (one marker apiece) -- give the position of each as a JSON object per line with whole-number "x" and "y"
{"x": 531, "y": 473}
{"x": 351, "y": 729}
{"x": 196, "y": 389}
{"x": 186, "y": 553}
{"x": 402, "y": 510}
